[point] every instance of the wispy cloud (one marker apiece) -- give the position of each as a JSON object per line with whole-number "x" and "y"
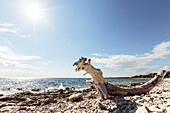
{"x": 11, "y": 31}
{"x": 8, "y": 27}
{"x": 99, "y": 55}
{"x": 9, "y": 58}
{"x": 50, "y": 62}
{"x": 8, "y": 42}
{"x": 8, "y": 30}
{"x": 136, "y": 63}
{"x": 96, "y": 54}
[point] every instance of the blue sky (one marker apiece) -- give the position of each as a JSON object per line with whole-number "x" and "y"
{"x": 43, "y": 38}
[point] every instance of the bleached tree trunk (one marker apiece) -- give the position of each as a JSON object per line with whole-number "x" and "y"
{"x": 105, "y": 88}
{"x": 114, "y": 90}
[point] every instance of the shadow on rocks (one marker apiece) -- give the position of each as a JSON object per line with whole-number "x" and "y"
{"x": 118, "y": 104}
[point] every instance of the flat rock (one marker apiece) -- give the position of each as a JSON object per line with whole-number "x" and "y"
{"x": 75, "y": 97}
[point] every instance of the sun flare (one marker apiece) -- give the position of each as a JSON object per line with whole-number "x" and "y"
{"x": 33, "y": 11}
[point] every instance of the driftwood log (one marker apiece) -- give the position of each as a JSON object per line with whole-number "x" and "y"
{"x": 104, "y": 88}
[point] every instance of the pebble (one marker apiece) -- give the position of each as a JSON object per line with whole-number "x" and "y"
{"x": 101, "y": 106}
{"x": 75, "y": 97}
{"x": 137, "y": 97}
{"x": 146, "y": 98}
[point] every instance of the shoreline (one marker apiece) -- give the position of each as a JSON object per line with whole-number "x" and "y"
{"x": 141, "y": 78}
{"x": 146, "y": 78}
{"x": 13, "y": 91}
{"x": 13, "y": 86}
{"x": 157, "y": 100}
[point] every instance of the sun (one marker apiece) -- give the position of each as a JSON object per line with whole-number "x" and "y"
{"x": 33, "y": 11}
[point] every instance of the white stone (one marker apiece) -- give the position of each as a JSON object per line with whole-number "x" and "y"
{"x": 167, "y": 105}
{"x": 137, "y": 97}
{"x": 51, "y": 108}
{"x": 146, "y": 98}
{"x": 141, "y": 110}
{"x": 168, "y": 110}
{"x": 155, "y": 109}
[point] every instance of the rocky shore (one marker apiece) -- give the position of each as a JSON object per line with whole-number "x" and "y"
{"x": 87, "y": 101}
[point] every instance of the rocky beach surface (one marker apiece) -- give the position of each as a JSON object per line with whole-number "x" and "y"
{"x": 70, "y": 100}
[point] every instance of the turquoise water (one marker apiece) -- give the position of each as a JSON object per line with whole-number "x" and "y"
{"x": 8, "y": 86}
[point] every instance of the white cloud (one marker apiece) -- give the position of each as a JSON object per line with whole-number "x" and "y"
{"x": 143, "y": 69}
{"x": 7, "y": 24}
{"x": 159, "y": 51}
{"x": 11, "y": 31}
{"x": 136, "y": 64}
{"x": 8, "y": 27}
{"x": 96, "y": 54}
{"x": 8, "y": 30}
{"x": 9, "y": 58}
{"x": 6, "y": 53}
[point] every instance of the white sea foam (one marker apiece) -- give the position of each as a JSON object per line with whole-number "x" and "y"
{"x": 81, "y": 89}
{"x": 61, "y": 86}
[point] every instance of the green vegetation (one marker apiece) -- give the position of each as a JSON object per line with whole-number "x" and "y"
{"x": 151, "y": 75}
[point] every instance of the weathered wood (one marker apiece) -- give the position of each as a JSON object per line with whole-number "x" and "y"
{"x": 114, "y": 90}
{"x": 101, "y": 85}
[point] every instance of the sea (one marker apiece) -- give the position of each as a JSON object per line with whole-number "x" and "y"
{"x": 14, "y": 85}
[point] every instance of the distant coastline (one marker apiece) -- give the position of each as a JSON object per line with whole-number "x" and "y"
{"x": 149, "y": 76}
{"x": 117, "y": 77}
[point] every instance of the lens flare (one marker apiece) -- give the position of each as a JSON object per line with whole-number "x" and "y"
{"x": 33, "y": 10}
